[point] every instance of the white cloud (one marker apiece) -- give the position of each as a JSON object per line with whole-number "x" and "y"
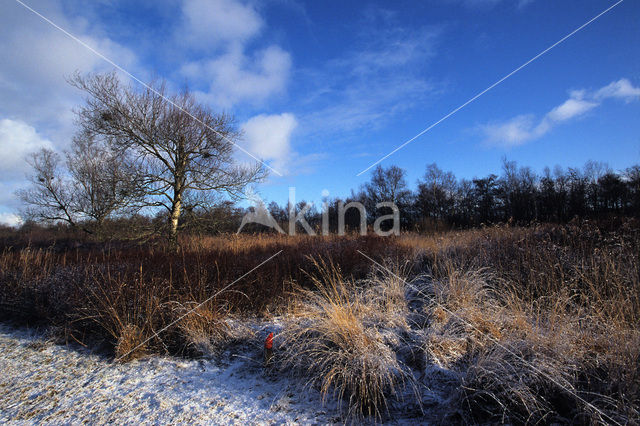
{"x": 572, "y": 107}
{"x": 523, "y": 128}
{"x": 235, "y": 77}
{"x": 39, "y": 57}
{"x": 230, "y": 72}
{"x": 210, "y": 22}
{"x": 17, "y": 140}
{"x": 269, "y": 138}
{"x": 622, "y": 89}
{"x": 10, "y": 219}
{"x": 37, "y": 107}
{"x": 515, "y": 131}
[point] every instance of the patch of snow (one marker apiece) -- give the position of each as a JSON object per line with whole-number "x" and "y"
{"x": 46, "y": 383}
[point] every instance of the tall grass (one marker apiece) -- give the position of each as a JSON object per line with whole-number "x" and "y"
{"x": 122, "y": 293}
{"x": 537, "y": 324}
{"x": 540, "y": 323}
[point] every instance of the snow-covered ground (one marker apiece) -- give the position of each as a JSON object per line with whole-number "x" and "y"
{"x": 44, "y": 382}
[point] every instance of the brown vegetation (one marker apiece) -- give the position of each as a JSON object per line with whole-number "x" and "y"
{"x": 105, "y": 292}
{"x": 535, "y": 324}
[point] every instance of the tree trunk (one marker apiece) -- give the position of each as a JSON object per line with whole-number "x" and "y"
{"x": 174, "y": 218}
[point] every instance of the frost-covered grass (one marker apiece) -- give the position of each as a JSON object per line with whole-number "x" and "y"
{"x": 341, "y": 335}
{"x": 533, "y": 325}
{"x": 122, "y": 292}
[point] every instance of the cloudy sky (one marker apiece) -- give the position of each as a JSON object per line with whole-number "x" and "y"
{"x": 323, "y": 89}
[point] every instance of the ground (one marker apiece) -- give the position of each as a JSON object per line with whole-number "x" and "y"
{"x": 45, "y": 382}
{"x": 48, "y": 383}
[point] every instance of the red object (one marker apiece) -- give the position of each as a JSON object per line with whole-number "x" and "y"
{"x": 268, "y": 344}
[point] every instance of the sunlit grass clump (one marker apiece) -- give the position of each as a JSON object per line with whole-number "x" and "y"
{"x": 338, "y": 338}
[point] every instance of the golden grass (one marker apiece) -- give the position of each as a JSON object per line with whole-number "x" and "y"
{"x": 334, "y": 337}
{"x": 534, "y": 317}
{"x": 207, "y": 329}
{"x": 130, "y": 344}
{"x": 540, "y": 325}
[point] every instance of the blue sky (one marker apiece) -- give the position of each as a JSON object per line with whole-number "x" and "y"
{"x": 324, "y": 89}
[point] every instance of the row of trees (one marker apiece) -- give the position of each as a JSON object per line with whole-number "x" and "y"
{"x": 517, "y": 195}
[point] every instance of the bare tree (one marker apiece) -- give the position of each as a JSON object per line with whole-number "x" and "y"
{"x": 91, "y": 186}
{"x": 181, "y": 151}
{"x": 632, "y": 177}
{"x": 436, "y": 192}
{"x": 102, "y": 180}
{"x": 386, "y": 185}
{"x": 49, "y": 198}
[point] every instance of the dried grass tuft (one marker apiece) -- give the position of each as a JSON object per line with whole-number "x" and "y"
{"x": 207, "y": 329}
{"x": 130, "y": 344}
{"x": 335, "y": 338}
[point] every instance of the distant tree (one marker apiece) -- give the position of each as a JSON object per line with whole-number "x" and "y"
{"x": 593, "y": 172}
{"x": 464, "y": 203}
{"x": 102, "y": 182}
{"x": 548, "y": 198}
{"x": 562, "y": 188}
{"x": 577, "y": 190}
{"x": 613, "y": 192}
{"x": 386, "y": 185}
{"x": 278, "y": 213}
{"x": 632, "y": 178}
{"x": 485, "y": 192}
{"x": 518, "y": 192}
{"x": 180, "y": 150}
{"x": 436, "y": 193}
{"x": 49, "y": 198}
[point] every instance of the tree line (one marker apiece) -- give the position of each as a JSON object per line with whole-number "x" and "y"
{"x": 517, "y": 195}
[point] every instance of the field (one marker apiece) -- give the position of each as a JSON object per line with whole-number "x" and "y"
{"x": 494, "y": 324}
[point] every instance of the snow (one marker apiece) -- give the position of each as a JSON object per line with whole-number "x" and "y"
{"x": 44, "y": 382}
